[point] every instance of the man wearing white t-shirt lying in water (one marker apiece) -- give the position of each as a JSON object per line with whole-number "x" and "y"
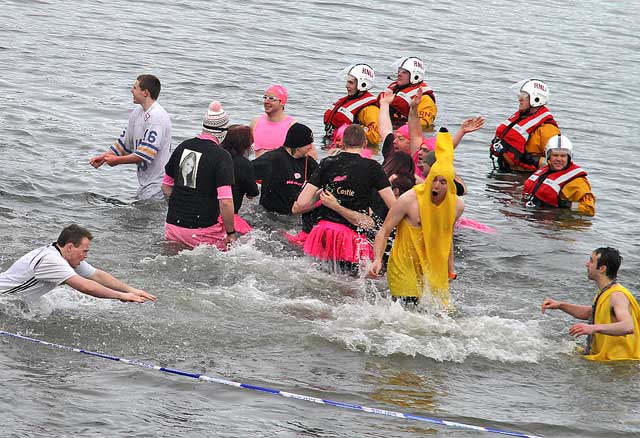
{"x": 45, "y": 268}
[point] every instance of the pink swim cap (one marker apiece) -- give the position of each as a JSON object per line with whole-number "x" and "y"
{"x": 339, "y": 132}
{"x": 280, "y": 92}
{"x": 430, "y": 143}
{"x": 403, "y": 131}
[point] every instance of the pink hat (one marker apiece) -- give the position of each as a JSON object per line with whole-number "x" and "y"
{"x": 280, "y": 92}
{"x": 339, "y": 132}
{"x": 429, "y": 142}
{"x": 403, "y": 131}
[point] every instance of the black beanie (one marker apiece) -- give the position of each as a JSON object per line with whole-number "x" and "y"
{"x": 298, "y": 135}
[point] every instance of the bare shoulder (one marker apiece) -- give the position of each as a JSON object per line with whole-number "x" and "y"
{"x": 459, "y": 206}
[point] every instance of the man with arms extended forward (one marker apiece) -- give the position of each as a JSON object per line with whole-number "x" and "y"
{"x": 47, "y": 267}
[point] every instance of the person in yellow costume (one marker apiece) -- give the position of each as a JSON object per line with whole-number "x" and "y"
{"x": 613, "y": 330}
{"x": 422, "y": 251}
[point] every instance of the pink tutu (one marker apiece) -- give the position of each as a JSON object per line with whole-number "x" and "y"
{"x": 239, "y": 224}
{"x": 192, "y": 237}
{"x": 464, "y": 222}
{"x": 337, "y": 242}
{"x": 298, "y": 239}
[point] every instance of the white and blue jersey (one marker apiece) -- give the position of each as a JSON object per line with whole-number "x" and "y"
{"x": 148, "y": 135}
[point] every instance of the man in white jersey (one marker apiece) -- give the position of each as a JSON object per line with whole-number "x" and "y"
{"x": 146, "y": 141}
{"x": 45, "y": 268}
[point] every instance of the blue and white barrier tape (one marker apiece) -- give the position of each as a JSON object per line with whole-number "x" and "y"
{"x": 275, "y": 391}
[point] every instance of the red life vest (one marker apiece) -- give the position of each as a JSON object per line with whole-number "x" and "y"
{"x": 404, "y": 94}
{"x": 512, "y": 135}
{"x": 544, "y": 186}
{"x": 345, "y": 110}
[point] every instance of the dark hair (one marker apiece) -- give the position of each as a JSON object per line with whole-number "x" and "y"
{"x": 611, "y": 258}
{"x": 400, "y": 163}
{"x": 238, "y": 140}
{"x": 403, "y": 183}
{"x": 354, "y": 137}
{"x": 151, "y": 84}
{"x": 74, "y": 234}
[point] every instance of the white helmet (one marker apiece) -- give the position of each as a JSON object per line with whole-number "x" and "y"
{"x": 536, "y": 89}
{"x": 560, "y": 142}
{"x": 413, "y": 65}
{"x": 363, "y": 74}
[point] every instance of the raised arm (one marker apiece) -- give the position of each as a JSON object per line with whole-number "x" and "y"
{"x": 384, "y": 119}
{"x": 415, "y": 128}
{"x": 469, "y": 125}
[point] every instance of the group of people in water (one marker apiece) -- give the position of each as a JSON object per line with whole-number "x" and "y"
{"x": 407, "y": 205}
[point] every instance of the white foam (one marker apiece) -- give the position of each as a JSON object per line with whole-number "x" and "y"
{"x": 385, "y": 328}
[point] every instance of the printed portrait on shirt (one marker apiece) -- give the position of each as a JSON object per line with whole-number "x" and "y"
{"x": 188, "y": 168}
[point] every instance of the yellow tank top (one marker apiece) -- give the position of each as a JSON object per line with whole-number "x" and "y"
{"x": 606, "y": 347}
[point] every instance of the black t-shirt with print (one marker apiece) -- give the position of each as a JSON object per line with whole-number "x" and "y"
{"x": 194, "y": 198}
{"x": 351, "y": 179}
{"x": 282, "y": 178}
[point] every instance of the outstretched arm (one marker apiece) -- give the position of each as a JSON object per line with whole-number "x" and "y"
{"x": 108, "y": 280}
{"x": 95, "y": 289}
{"x": 576, "y": 310}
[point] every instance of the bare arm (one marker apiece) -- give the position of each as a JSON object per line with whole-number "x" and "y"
{"x": 356, "y": 218}
{"x": 451, "y": 260}
{"x": 166, "y": 190}
{"x": 469, "y": 125}
{"x": 576, "y": 310}
{"x": 115, "y": 160}
{"x": 384, "y": 119}
{"x": 227, "y": 214}
{"x": 395, "y": 215}
{"x": 388, "y": 197}
{"x": 622, "y": 327}
{"x": 306, "y": 199}
{"x": 99, "y": 160}
{"x": 111, "y": 282}
{"x": 95, "y": 289}
{"x": 415, "y": 128}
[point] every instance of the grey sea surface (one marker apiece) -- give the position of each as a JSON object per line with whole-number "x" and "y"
{"x": 263, "y": 313}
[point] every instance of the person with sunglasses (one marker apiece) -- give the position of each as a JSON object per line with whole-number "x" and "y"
{"x": 270, "y": 129}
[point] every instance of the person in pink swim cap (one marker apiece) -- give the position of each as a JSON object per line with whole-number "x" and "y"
{"x": 270, "y": 129}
